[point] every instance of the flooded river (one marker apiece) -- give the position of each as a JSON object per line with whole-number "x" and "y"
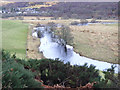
{"x": 51, "y": 49}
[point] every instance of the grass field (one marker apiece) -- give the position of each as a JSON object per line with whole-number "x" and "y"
{"x": 97, "y": 41}
{"x": 14, "y": 37}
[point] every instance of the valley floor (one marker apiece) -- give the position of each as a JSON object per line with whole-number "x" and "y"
{"x": 96, "y": 41}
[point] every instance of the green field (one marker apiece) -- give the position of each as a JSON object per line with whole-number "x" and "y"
{"x": 14, "y": 37}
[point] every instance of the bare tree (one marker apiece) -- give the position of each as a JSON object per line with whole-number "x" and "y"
{"x": 65, "y": 34}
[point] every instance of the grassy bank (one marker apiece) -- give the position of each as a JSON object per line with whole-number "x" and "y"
{"x": 99, "y": 42}
{"x": 14, "y": 37}
{"x": 33, "y": 44}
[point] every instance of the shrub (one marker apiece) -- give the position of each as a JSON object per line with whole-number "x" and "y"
{"x": 21, "y": 18}
{"x": 19, "y": 73}
{"x": 39, "y": 34}
{"x": 39, "y": 25}
{"x": 93, "y": 21}
{"x": 74, "y": 23}
{"x": 15, "y": 75}
{"x": 83, "y": 21}
{"x": 110, "y": 79}
{"x": 38, "y": 18}
{"x": 65, "y": 17}
{"x": 51, "y": 24}
{"x": 56, "y": 72}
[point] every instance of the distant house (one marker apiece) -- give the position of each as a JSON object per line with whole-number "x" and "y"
{"x": 0, "y": 11}
{"x": 3, "y": 11}
{"x": 18, "y": 12}
{"x": 24, "y": 12}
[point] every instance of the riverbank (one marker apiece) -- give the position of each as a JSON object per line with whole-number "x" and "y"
{"x": 33, "y": 43}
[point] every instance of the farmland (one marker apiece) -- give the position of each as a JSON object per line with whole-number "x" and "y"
{"x": 14, "y": 37}
{"x": 99, "y": 42}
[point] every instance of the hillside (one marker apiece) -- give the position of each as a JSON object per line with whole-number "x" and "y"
{"x": 5, "y": 3}
{"x": 101, "y": 10}
{"x": 28, "y": 4}
{"x": 84, "y": 10}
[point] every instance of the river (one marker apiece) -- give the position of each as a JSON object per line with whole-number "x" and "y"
{"x": 51, "y": 49}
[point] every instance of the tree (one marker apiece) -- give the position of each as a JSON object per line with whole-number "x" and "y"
{"x": 83, "y": 21}
{"x": 65, "y": 34}
{"x": 39, "y": 34}
{"x": 52, "y": 26}
{"x": 75, "y": 23}
{"x": 119, "y": 9}
{"x": 21, "y": 18}
{"x": 65, "y": 17}
{"x": 93, "y": 21}
{"x": 75, "y": 16}
{"x": 37, "y": 17}
{"x": 110, "y": 80}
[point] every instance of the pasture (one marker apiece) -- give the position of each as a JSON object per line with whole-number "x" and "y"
{"x": 14, "y": 37}
{"x": 97, "y": 41}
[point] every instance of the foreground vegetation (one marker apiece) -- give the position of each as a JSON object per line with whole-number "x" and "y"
{"x": 15, "y": 75}
{"x": 19, "y": 73}
{"x": 14, "y": 37}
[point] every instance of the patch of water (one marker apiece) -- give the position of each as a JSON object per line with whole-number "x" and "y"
{"x": 109, "y": 22}
{"x": 97, "y": 23}
{"x": 34, "y": 34}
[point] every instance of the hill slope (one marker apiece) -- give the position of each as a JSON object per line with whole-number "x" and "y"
{"x": 99, "y": 10}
